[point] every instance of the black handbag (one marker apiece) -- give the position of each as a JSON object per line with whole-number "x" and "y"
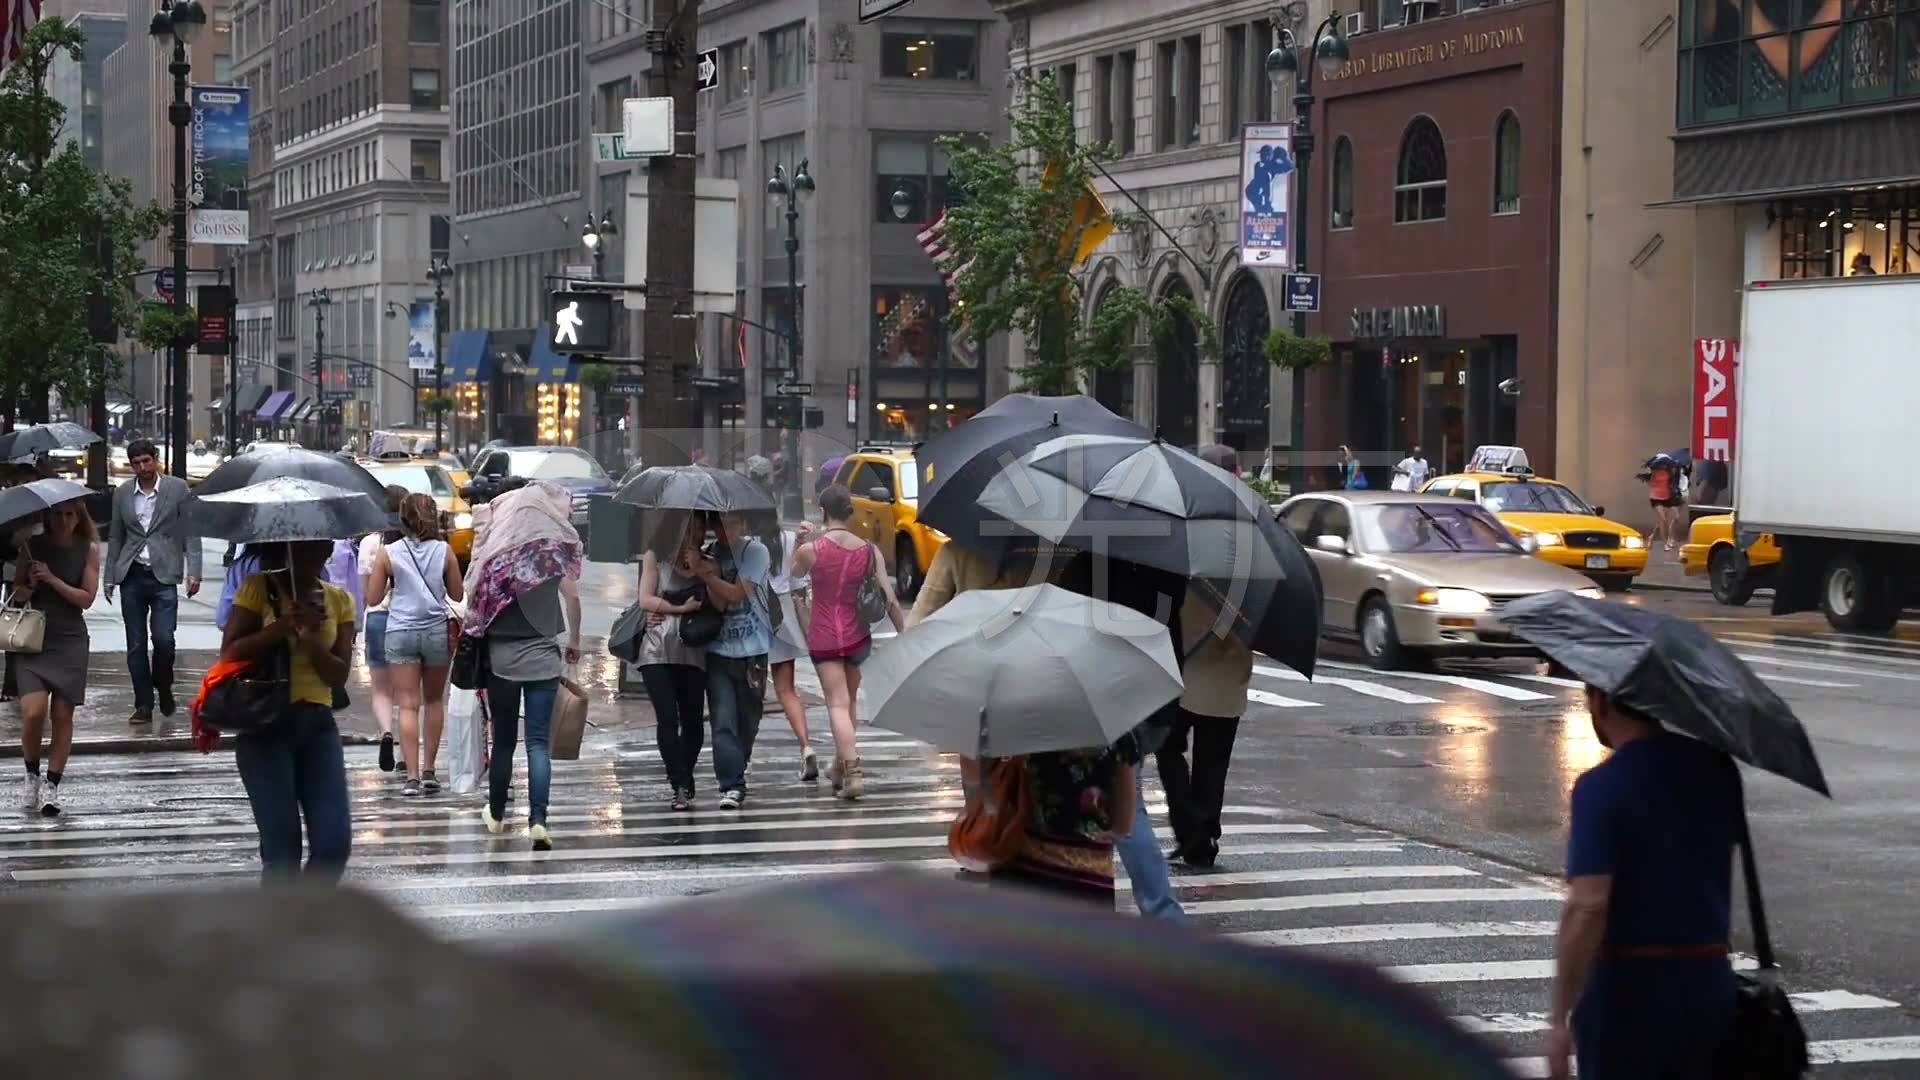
{"x": 698, "y": 629}
{"x": 255, "y": 699}
{"x": 1765, "y": 1040}
{"x": 469, "y": 670}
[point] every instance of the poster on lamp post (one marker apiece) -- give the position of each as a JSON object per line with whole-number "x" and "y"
{"x": 1266, "y": 196}
{"x": 217, "y": 172}
{"x": 420, "y": 344}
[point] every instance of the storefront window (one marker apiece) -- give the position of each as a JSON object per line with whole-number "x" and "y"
{"x": 924, "y": 377}
{"x": 1867, "y": 234}
{"x": 929, "y": 50}
{"x": 1743, "y": 58}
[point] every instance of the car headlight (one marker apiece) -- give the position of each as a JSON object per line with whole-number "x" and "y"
{"x": 463, "y": 521}
{"x": 1591, "y": 592}
{"x": 1548, "y": 539}
{"x": 1461, "y": 601}
{"x": 1633, "y": 543}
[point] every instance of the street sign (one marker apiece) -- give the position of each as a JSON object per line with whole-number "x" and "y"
{"x": 709, "y": 72}
{"x": 646, "y": 126}
{"x": 1300, "y": 292}
{"x": 612, "y": 146}
{"x": 794, "y": 389}
{"x": 581, "y": 322}
{"x": 216, "y": 319}
{"x": 163, "y": 284}
{"x": 338, "y": 395}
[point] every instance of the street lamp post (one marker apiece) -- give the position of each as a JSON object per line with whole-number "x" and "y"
{"x": 181, "y": 21}
{"x": 793, "y": 190}
{"x": 593, "y": 236}
{"x": 439, "y": 272}
{"x": 319, "y": 302}
{"x": 1329, "y": 52}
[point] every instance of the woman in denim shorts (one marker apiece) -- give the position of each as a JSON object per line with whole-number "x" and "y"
{"x": 416, "y": 576}
{"x": 376, "y": 634}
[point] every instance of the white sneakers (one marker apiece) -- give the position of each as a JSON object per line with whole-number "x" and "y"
{"x": 494, "y": 825}
{"x": 731, "y": 800}
{"x": 542, "y": 840}
{"x": 30, "y": 794}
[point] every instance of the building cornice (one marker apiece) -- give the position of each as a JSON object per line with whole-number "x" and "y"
{"x": 387, "y": 118}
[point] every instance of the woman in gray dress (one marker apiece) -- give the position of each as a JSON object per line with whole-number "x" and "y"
{"x": 59, "y": 577}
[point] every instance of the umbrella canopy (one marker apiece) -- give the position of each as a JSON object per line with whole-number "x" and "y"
{"x": 29, "y": 499}
{"x": 998, "y": 672}
{"x": 284, "y": 509}
{"x": 291, "y": 462}
{"x": 1670, "y": 670}
{"x": 1139, "y": 500}
{"x": 695, "y": 487}
{"x": 29, "y": 443}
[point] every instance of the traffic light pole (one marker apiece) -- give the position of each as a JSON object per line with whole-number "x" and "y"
{"x": 667, "y": 330}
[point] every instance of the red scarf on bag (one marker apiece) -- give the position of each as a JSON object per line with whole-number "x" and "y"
{"x": 204, "y": 737}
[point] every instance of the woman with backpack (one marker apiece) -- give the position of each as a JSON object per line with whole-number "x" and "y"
{"x": 415, "y": 576}
{"x": 839, "y": 633}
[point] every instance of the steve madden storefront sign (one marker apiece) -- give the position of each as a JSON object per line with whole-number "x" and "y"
{"x": 1391, "y": 323}
{"x": 1471, "y": 43}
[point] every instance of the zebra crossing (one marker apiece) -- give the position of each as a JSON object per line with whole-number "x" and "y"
{"x": 1476, "y": 935}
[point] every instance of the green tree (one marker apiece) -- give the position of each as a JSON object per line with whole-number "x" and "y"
{"x": 55, "y": 213}
{"x": 1016, "y": 237}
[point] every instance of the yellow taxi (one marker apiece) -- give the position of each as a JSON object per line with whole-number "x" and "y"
{"x": 417, "y": 443}
{"x": 428, "y": 477}
{"x": 1731, "y": 573}
{"x": 886, "y": 493}
{"x": 1553, "y": 522}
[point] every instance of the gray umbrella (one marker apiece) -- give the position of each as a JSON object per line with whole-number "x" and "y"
{"x": 999, "y": 672}
{"x": 29, "y": 499}
{"x": 30, "y": 442}
{"x": 284, "y": 509}
{"x": 695, "y": 487}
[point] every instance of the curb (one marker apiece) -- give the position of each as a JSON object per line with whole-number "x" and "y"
{"x": 1660, "y": 586}
{"x": 153, "y": 744}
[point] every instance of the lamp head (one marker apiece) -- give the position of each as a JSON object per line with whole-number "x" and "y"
{"x": 901, "y": 203}
{"x": 777, "y": 183}
{"x": 189, "y": 20}
{"x": 1282, "y": 66}
{"x": 802, "y": 181}
{"x": 1332, "y": 54}
{"x": 607, "y": 227}
{"x": 589, "y": 237}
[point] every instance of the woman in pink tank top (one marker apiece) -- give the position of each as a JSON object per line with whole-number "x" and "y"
{"x": 838, "y": 562}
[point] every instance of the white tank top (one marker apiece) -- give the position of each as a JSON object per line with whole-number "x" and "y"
{"x": 417, "y": 596}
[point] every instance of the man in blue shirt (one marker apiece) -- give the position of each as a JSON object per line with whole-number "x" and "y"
{"x": 736, "y": 583}
{"x": 1643, "y": 987}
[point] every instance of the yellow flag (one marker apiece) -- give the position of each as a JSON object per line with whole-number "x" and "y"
{"x": 1092, "y": 221}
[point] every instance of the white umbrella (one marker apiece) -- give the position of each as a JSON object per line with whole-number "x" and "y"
{"x": 1000, "y": 672}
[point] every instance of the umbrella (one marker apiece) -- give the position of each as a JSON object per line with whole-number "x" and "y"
{"x": 695, "y": 487}
{"x": 1673, "y": 671}
{"x": 284, "y": 509}
{"x": 1140, "y": 500}
{"x": 292, "y": 463}
{"x": 30, "y": 442}
{"x": 999, "y": 672}
{"x": 30, "y": 499}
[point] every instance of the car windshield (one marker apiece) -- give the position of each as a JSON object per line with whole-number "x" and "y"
{"x": 1406, "y": 528}
{"x": 556, "y": 465}
{"x": 418, "y": 479}
{"x": 909, "y": 482}
{"x": 1531, "y": 497}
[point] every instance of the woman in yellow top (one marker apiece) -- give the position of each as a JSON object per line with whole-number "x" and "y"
{"x": 294, "y": 769}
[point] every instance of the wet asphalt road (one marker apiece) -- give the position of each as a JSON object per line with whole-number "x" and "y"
{"x": 1415, "y": 822}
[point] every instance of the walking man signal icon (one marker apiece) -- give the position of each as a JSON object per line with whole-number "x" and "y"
{"x": 566, "y": 325}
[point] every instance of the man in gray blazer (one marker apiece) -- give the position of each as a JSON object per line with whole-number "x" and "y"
{"x": 148, "y": 553}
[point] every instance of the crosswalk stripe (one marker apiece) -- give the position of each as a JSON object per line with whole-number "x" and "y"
{"x": 1836, "y": 669}
{"x": 1818, "y": 1001}
{"x": 1552, "y": 680}
{"x": 1474, "y": 971}
{"x": 1846, "y": 650}
{"x": 1323, "y": 873}
{"x": 1358, "y": 686}
{"x": 1793, "y": 680}
{"x": 1374, "y": 898}
{"x": 1262, "y": 697}
{"x": 1484, "y": 686}
{"x": 1373, "y": 932}
{"x": 1825, "y": 1052}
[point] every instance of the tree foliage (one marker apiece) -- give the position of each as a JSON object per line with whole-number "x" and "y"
{"x": 53, "y": 210}
{"x": 157, "y": 327}
{"x": 1293, "y": 353}
{"x": 1014, "y": 235}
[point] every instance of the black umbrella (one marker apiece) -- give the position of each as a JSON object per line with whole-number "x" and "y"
{"x": 29, "y": 499}
{"x": 1139, "y": 500}
{"x": 287, "y": 462}
{"x": 695, "y": 487}
{"x": 30, "y": 442}
{"x": 1673, "y": 671}
{"x": 284, "y": 509}
{"x": 955, "y": 465}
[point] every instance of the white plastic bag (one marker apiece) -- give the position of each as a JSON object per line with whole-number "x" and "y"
{"x": 465, "y": 740}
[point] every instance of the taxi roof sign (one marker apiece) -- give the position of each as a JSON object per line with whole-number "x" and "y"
{"x": 1499, "y": 459}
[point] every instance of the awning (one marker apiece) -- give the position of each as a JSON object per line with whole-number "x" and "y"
{"x": 217, "y": 404}
{"x": 467, "y": 356}
{"x": 544, "y": 365}
{"x": 119, "y": 408}
{"x": 249, "y": 399}
{"x": 1808, "y": 154}
{"x": 276, "y": 404}
{"x": 301, "y": 411}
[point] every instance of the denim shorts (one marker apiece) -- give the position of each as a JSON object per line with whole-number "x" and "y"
{"x": 376, "y": 639}
{"x": 425, "y": 645}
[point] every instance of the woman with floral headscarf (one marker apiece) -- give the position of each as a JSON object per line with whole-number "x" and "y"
{"x": 525, "y": 568}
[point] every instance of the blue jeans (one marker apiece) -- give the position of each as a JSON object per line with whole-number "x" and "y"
{"x": 1146, "y": 865}
{"x": 735, "y": 706}
{"x": 503, "y": 708}
{"x": 144, "y": 600}
{"x": 292, "y": 770}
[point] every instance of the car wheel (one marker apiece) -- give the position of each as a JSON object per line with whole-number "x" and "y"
{"x": 1378, "y": 637}
{"x": 1725, "y": 575}
{"x": 906, "y": 571}
{"x": 1614, "y": 582}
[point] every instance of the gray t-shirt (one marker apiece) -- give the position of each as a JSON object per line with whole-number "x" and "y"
{"x": 521, "y": 643}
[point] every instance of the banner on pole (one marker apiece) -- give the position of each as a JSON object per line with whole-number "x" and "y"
{"x": 1715, "y": 399}
{"x": 217, "y": 179}
{"x": 422, "y": 351}
{"x": 1266, "y": 196}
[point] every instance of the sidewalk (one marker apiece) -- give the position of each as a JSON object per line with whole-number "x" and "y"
{"x": 1663, "y": 572}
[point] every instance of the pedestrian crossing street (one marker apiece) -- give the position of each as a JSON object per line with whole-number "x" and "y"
{"x": 1476, "y": 935}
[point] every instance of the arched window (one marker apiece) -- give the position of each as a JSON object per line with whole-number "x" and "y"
{"x": 1506, "y": 165}
{"x": 1343, "y": 184}
{"x": 1420, "y": 185}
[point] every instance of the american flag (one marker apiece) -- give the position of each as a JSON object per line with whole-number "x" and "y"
{"x": 20, "y": 17}
{"x": 933, "y": 241}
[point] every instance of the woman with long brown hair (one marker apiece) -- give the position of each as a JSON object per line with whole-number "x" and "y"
{"x": 419, "y": 572}
{"x": 59, "y": 577}
{"x": 674, "y": 673}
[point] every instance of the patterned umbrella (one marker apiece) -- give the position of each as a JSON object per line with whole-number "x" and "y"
{"x": 284, "y": 509}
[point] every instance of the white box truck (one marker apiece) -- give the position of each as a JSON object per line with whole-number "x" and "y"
{"x": 1826, "y": 438}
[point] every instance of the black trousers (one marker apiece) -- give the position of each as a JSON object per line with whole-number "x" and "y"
{"x": 1196, "y": 794}
{"x": 679, "y": 695}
